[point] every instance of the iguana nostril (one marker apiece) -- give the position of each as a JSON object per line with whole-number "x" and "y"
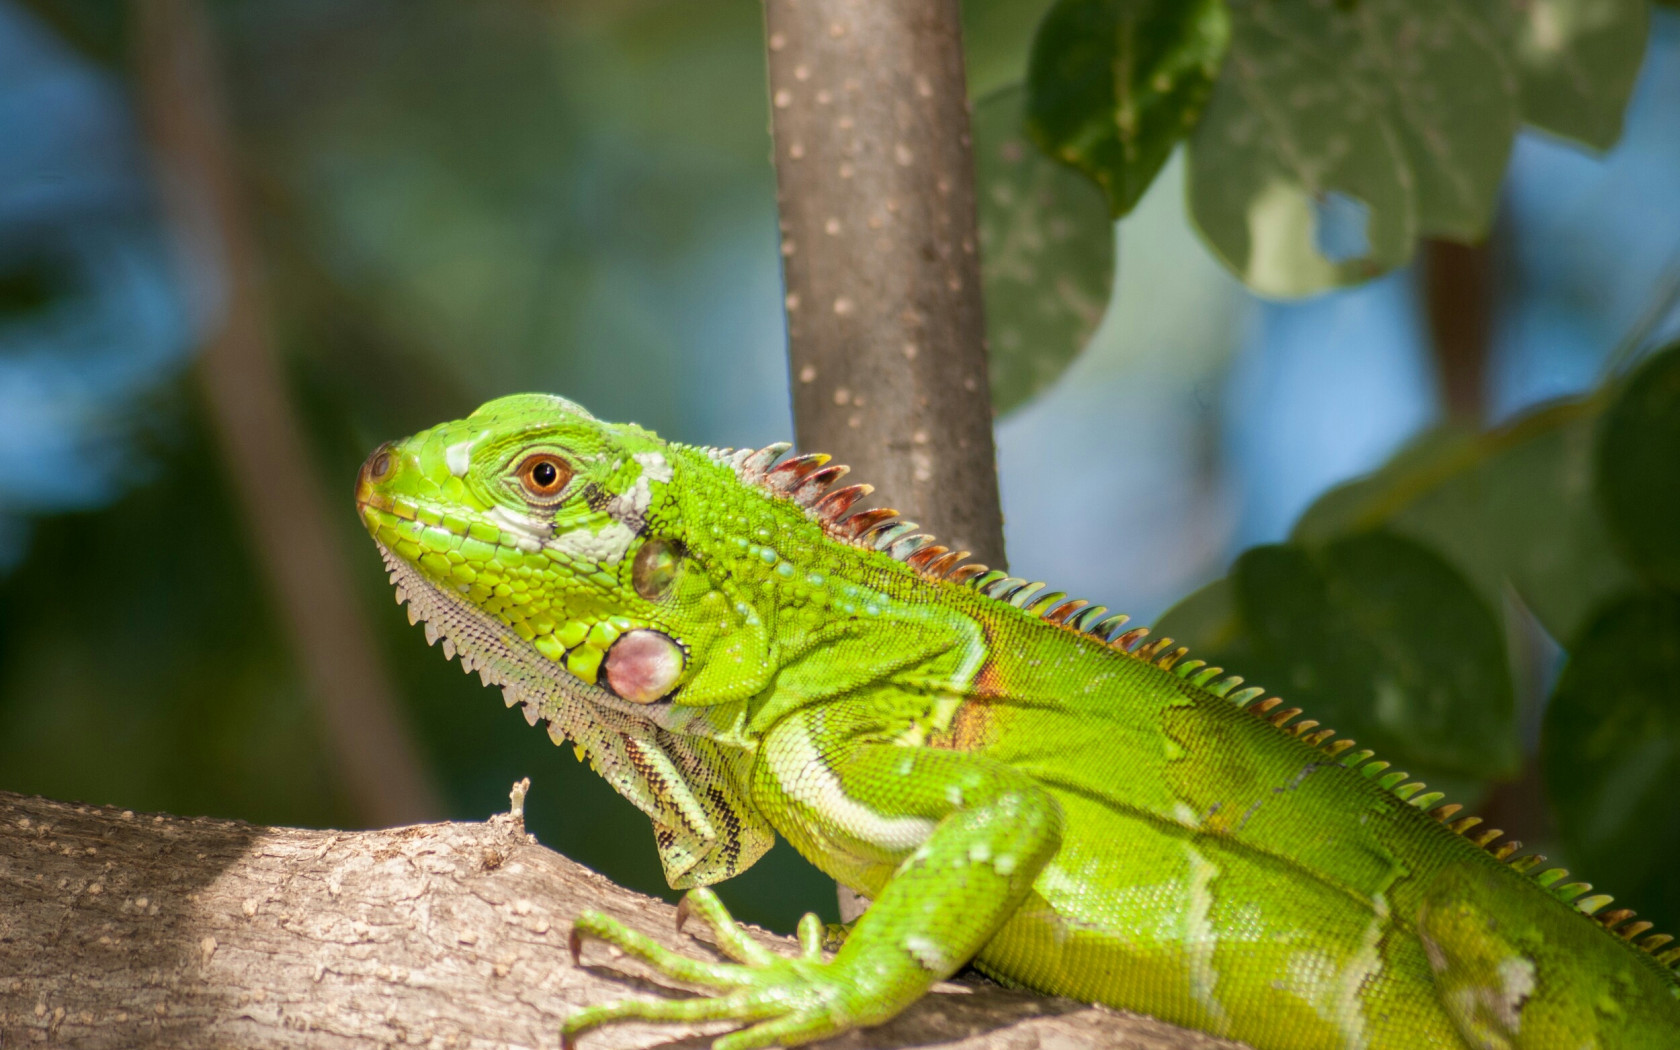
{"x": 375, "y": 469}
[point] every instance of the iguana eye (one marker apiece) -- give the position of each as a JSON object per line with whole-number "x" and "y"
{"x": 544, "y": 475}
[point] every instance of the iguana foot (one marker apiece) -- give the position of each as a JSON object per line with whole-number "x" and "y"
{"x": 796, "y": 1000}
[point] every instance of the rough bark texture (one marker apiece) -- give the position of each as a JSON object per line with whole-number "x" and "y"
{"x": 126, "y": 930}
{"x": 262, "y": 444}
{"x": 875, "y": 181}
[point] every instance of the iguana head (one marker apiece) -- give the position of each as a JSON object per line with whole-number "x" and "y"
{"x": 536, "y": 517}
{"x": 545, "y": 548}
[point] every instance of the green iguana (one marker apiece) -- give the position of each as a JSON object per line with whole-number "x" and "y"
{"x": 1014, "y": 778}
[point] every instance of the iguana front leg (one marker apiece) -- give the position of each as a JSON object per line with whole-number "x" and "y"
{"x": 958, "y": 838}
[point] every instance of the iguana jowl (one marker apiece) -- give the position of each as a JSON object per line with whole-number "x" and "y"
{"x": 1013, "y": 777}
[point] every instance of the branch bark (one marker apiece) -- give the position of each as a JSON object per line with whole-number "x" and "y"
{"x": 126, "y": 930}
{"x": 875, "y": 183}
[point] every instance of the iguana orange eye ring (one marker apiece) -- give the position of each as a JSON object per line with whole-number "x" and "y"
{"x": 544, "y": 475}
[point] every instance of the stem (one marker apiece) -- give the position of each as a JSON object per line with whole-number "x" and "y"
{"x": 1458, "y": 294}
{"x": 875, "y": 181}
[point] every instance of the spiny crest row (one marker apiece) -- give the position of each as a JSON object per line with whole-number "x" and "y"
{"x": 807, "y": 480}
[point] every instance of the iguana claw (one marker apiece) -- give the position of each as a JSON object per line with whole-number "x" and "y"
{"x": 794, "y": 998}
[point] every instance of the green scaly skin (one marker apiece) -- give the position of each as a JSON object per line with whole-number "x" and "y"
{"x": 1013, "y": 780}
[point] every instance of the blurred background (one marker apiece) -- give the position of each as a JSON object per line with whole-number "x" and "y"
{"x": 426, "y": 204}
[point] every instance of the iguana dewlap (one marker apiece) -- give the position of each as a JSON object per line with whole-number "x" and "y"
{"x": 1013, "y": 777}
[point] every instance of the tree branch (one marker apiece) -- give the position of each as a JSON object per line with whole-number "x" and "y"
{"x": 124, "y": 930}
{"x": 875, "y": 183}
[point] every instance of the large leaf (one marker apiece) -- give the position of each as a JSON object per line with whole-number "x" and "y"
{"x": 1610, "y": 751}
{"x": 1373, "y": 634}
{"x": 1206, "y": 620}
{"x": 1576, "y": 61}
{"x": 1046, "y": 254}
{"x": 1115, "y": 84}
{"x": 1399, "y": 112}
{"x": 1512, "y": 506}
{"x": 1639, "y": 468}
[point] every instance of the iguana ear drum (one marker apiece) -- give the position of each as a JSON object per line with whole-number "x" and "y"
{"x": 643, "y": 666}
{"x": 655, "y": 568}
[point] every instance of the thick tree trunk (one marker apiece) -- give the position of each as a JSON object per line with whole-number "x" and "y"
{"x": 123, "y": 930}
{"x": 875, "y": 181}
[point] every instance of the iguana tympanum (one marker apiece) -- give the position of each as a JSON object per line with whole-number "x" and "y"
{"x": 1014, "y": 778}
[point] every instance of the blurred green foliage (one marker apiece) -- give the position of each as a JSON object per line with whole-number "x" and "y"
{"x": 1610, "y": 747}
{"x": 1377, "y": 635}
{"x": 1406, "y": 109}
{"x": 115, "y": 686}
{"x": 1115, "y": 86}
{"x": 1638, "y": 471}
{"x": 1512, "y": 507}
{"x": 1046, "y": 254}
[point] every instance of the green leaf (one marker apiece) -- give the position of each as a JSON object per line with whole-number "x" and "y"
{"x": 1639, "y": 468}
{"x": 1610, "y": 754}
{"x": 1576, "y": 61}
{"x": 1114, "y": 84}
{"x": 996, "y": 38}
{"x": 1512, "y": 506}
{"x": 1404, "y": 109}
{"x": 1380, "y": 638}
{"x": 1206, "y": 620}
{"x": 1433, "y": 458}
{"x": 1046, "y": 254}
